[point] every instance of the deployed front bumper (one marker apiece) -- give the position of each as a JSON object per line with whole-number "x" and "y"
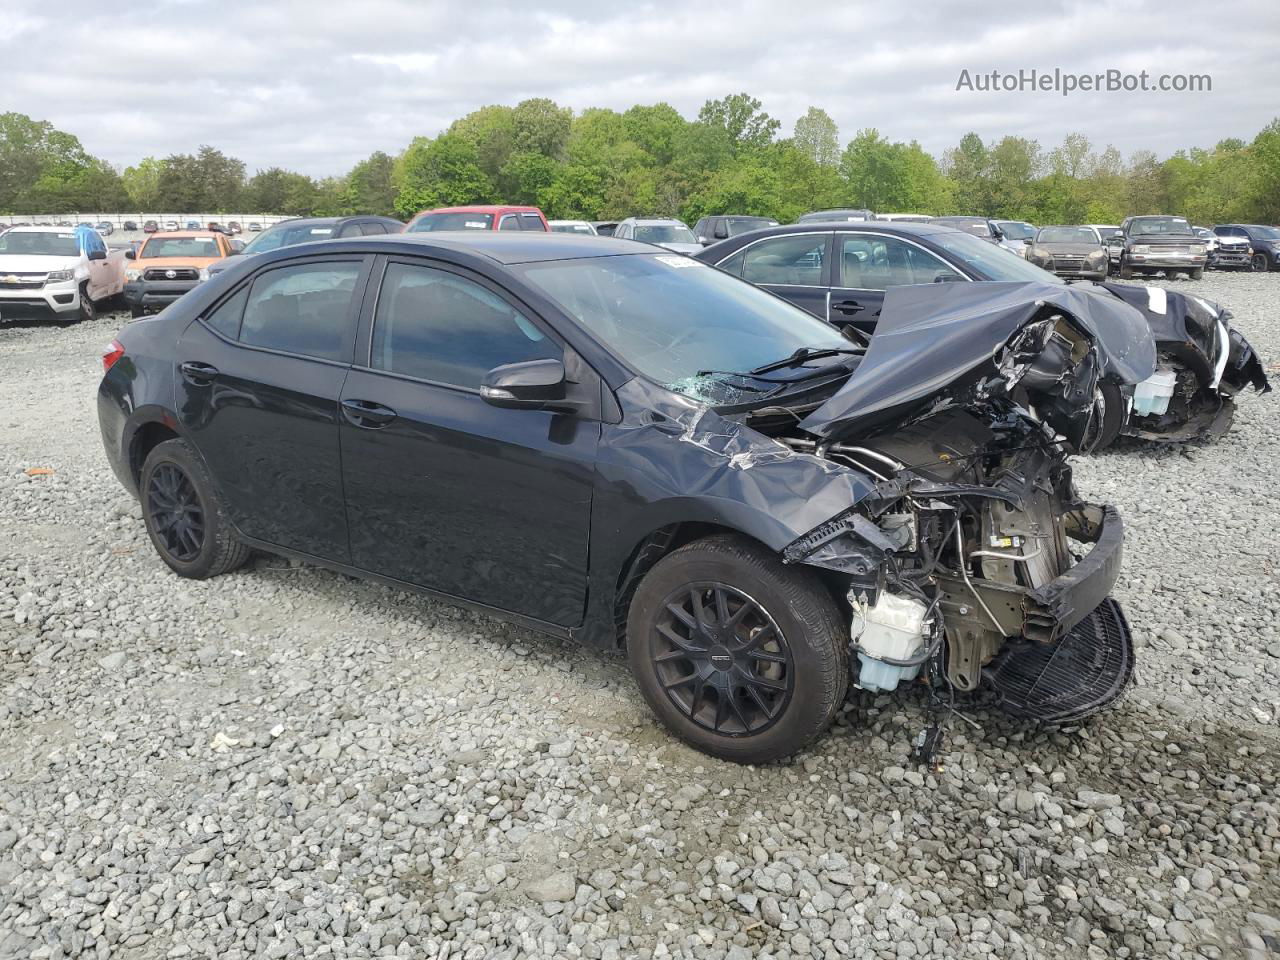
{"x": 155, "y": 295}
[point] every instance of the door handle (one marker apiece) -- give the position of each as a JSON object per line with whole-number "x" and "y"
{"x": 848, "y": 306}
{"x": 366, "y": 414}
{"x": 198, "y": 373}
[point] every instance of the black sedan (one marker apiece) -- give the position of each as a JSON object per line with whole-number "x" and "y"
{"x": 601, "y": 440}
{"x": 840, "y": 272}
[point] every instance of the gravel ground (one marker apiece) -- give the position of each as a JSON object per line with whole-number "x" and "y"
{"x": 285, "y": 762}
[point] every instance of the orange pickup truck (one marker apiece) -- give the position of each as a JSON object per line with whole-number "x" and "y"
{"x": 169, "y": 264}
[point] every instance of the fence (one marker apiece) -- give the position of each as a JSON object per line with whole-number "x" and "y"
{"x": 118, "y": 220}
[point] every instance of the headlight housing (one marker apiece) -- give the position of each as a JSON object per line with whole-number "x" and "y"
{"x": 60, "y": 276}
{"x": 133, "y": 273}
{"x": 1140, "y": 248}
{"x": 203, "y": 273}
{"x": 1097, "y": 255}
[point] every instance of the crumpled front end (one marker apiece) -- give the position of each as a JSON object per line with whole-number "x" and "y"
{"x": 974, "y": 559}
{"x": 1202, "y": 364}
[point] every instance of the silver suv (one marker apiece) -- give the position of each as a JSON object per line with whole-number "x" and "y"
{"x": 664, "y": 231}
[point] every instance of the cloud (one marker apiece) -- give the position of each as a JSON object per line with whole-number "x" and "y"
{"x": 316, "y": 86}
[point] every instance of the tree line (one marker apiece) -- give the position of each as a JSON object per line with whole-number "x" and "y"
{"x": 605, "y": 164}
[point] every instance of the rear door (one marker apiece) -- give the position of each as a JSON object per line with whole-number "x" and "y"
{"x": 259, "y": 378}
{"x": 865, "y": 265}
{"x": 444, "y": 490}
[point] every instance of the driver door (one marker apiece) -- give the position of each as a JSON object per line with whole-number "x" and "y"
{"x": 444, "y": 490}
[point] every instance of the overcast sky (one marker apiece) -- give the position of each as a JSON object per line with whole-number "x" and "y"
{"x": 317, "y": 85}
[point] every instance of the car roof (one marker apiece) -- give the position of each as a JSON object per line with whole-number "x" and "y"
{"x": 504, "y": 247}
{"x": 482, "y": 208}
{"x": 906, "y": 228}
{"x": 652, "y": 220}
{"x": 186, "y": 233}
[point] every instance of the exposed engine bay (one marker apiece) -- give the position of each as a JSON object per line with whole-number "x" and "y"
{"x": 973, "y": 563}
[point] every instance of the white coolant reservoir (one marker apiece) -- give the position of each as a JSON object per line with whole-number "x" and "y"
{"x": 893, "y": 628}
{"x": 1151, "y": 396}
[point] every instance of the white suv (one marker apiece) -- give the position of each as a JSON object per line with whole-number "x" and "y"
{"x": 662, "y": 231}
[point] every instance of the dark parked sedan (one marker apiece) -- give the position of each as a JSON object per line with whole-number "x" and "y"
{"x": 841, "y": 271}
{"x": 605, "y": 441}
{"x": 1070, "y": 252}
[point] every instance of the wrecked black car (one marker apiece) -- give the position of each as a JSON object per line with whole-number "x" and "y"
{"x": 841, "y": 272}
{"x": 601, "y": 441}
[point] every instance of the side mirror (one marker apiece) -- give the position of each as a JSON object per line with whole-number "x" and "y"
{"x": 1028, "y": 242}
{"x": 529, "y": 385}
{"x": 96, "y": 255}
{"x": 948, "y": 278}
{"x": 131, "y": 254}
{"x": 721, "y": 232}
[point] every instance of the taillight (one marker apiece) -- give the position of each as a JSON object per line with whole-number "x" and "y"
{"x": 110, "y": 354}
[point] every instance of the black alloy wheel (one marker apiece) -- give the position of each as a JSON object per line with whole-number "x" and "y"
{"x": 1258, "y": 263}
{"x": 722, "y": 660}
{"x": 176, "y": 513}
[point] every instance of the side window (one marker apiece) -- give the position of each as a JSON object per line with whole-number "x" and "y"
{"x": 372, "y": 228}
{"x": 437, "y": 326}
{"x": 304, "y": 309}
{"x": 510, "y": 222}
{"x": 531, "y": 221}
{"x": 734, "y": 264}
{"x": 791, "y": 260}
{"x": 350, "y": 230}
{"x": 225, "y": 317}
{"x": 623, "y": 231}
{"x": 868, "y": 262}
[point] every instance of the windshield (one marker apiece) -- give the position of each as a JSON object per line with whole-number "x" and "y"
{"x": 665, "y": 234}
{"x": 288, "y": 235}
{"x": 179, "y": 247}
{"x": 672, "y": 319}
{"x": 989, "y": 261}
{"x": 573, "y": 228}
{"x": 1160, "y": 226}
{"x": 1016, "y": 229}
{"x": 40, "y": 244}
{"x": 1066, "y": 235}
{"x": 1266, "y": 233}
{"x": 451, "y": 221}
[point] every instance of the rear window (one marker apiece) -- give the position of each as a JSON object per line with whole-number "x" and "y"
{"x": 179, "y": 247}
{"x": 303, "y": 309}
{"x": 451, "y": 221}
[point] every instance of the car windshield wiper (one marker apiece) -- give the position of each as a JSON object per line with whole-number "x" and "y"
{"x": 803, "y": 355}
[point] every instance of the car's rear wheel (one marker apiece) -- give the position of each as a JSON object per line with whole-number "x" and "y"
{"x": 184, "y": 516}
{"x": 1258, "y": 264}
{"x": 1197, "y": 273}
{"x": 739, "y": 655}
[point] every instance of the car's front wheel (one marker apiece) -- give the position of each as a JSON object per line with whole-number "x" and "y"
{"x": 88, "y": 309}
{"x": 184, "y": 515}
{"x": 741, "y": 656}
{"x": 1258, "y": 264}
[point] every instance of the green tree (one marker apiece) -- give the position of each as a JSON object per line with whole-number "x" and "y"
{"x": 370, "y": 186}
{"x": 817, "y": 136}
{"x": 207, "y": 182}
{"x": 142, "y": 184}
{"x": 740, "y": 116}
{"x": 279, "y": 191}
{"x": 443, "y": 172}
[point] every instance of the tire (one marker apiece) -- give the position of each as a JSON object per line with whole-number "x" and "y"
{"x": 174, "y": 481}
{"x": 1104, "y": 433}
{"x": 1126, "y": 273}
{"x": 1258, "y": 264}
{"x": 137, "y": 312}
{"x": 88, "y": 309}
{"x": 787, "y": 676}
{"x": 1197, "y": 273}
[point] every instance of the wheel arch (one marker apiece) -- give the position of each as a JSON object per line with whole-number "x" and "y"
{"x": 663, "y": 540}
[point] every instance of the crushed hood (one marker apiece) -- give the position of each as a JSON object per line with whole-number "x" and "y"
{"x": 933, "y": 337}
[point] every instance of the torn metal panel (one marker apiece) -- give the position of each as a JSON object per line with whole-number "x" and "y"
{"x": 932, "y": 339}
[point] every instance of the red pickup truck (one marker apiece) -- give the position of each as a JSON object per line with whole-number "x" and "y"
{"x": 479, "y": 217}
